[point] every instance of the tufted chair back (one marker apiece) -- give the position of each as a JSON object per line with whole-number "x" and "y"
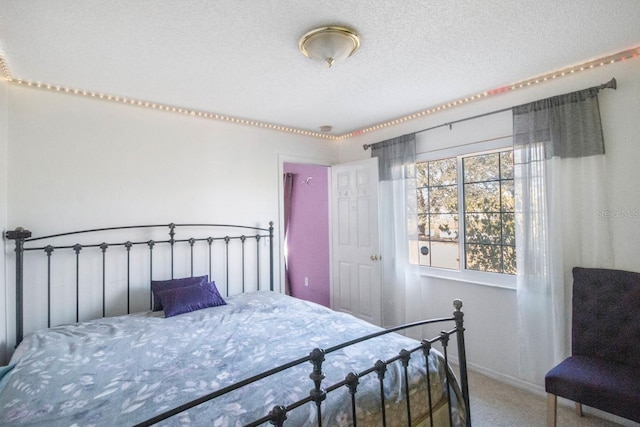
{"x": 606, "y": 315}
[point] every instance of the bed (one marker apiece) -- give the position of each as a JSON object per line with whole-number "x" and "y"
{"x": 255, "y": 357}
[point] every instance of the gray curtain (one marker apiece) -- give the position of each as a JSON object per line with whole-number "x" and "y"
{"x": 288, "y": 197}
{"x": 396, "y": 157}
{"x": 569, "y": 125}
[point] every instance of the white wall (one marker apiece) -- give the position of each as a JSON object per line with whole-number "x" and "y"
{"x": 77, "y": 162}
{"x": 491, "y": 313}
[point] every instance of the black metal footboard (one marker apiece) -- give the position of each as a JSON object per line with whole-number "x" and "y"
{"x": 318, "y": 394}
{"x": 242, "y": 239}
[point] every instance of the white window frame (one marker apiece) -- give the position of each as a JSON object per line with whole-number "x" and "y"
{"x": 500, "y": 280}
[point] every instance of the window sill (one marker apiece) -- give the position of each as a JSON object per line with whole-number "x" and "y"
{"x": 495, "y": 280}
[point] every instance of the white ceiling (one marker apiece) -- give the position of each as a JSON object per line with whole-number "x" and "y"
{"x": 240, "y": 57}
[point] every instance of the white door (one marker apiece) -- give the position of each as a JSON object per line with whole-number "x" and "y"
{"x": 355, "y": 240}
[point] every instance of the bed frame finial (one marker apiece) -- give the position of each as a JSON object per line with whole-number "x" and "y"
{"x": 18, "y": 234}
{"x": 278, "y": 415}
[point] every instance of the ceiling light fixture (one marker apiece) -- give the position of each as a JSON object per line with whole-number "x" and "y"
{"x": 329, "y": 44}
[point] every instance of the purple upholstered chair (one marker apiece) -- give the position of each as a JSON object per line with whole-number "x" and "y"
{"x": 604, "y": 368}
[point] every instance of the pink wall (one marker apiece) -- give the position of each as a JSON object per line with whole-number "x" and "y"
{"x": 308, "y": 238}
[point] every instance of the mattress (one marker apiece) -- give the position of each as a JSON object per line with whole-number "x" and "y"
{"x": 124, "y": 370}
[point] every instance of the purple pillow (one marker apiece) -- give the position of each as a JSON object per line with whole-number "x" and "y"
{"x": 189, "y": 298}
{"x": 162, "y": 285}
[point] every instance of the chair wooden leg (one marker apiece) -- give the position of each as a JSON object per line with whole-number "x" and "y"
{"x": 579, "y": 409}
{"x": 552, "y": 407}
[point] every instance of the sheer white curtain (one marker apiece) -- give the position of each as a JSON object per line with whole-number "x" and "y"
{"x": 398, "y": 229}
{"x": 560, "y": 195}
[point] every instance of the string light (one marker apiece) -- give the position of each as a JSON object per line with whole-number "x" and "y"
{"x": 611, "y": 59}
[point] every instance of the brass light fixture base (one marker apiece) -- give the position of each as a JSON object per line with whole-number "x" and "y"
{"x": 329, "y": 44}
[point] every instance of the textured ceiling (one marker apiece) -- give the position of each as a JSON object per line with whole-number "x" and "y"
{"x": 240, "y": 58}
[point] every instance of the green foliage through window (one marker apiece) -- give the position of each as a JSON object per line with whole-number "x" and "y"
{"x": 484, "y": 185}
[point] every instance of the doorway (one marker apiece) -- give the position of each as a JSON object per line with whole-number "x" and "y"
{"x": 306, "y": 231}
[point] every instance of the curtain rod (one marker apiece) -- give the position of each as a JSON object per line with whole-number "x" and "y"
{"x": 611, "y": 84}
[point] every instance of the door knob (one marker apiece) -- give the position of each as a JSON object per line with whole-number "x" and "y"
{"x": 374, "y": 257}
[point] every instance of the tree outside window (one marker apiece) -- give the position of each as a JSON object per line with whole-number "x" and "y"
{"x": 485, "y": 182}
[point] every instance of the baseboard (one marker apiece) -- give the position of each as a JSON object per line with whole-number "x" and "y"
{"x": 508, "y": 379}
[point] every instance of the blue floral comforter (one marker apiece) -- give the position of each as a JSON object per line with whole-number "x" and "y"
{"x": 120, "y": 371}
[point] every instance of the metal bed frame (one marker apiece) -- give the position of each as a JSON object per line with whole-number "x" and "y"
{"x": 278, "y": 413}
{"x": 22, "y": 238}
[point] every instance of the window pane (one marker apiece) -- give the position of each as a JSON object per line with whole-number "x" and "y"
{"x": 481, "y": 168}
{"x": 445, "y": 255}
{"x": 423, "y": 198}
{"x": 443, "y": 172}
{"x": 483, "y": 228}
{"x": 489, "y": 205}
{"x": 506, "y": 164}
{"x": 444, "y": 227}
{"x": 484, "y": 257}
{"x": 443, "y": 199}
{"x": 508, "y": 229}
{"x": 508, "y": 198}
{"x": 509, "y": 259}
{"x": 437, "y": 222}
{"x": 482, "y": 197}
{"x": 425, "y": 259}
{"x": 423, "y": 226}
{"x": 422, "y": 174}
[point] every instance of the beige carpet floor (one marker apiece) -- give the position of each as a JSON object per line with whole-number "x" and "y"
{"x": 494, "y": 403}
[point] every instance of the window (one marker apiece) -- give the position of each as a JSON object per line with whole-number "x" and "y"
{"x": 471, "y": 198}
{"x": 438, "y": 213}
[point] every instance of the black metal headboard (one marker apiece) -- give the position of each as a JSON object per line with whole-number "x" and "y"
{"x": 224, "y": 233}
